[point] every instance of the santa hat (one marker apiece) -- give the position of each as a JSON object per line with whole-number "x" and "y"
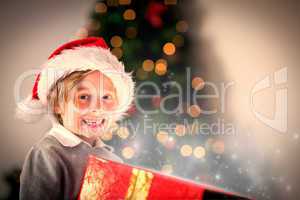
{"x": 85, "y": 54}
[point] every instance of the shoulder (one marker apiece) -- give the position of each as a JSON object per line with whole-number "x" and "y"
{"x": 41, "y": 170}
{"x": 48, "y": 144}
{"x": 43, "y": 160}
{"x": 46, "y": 149}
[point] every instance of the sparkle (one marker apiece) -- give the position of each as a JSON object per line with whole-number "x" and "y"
{"x": 218, "y": 177}
{"x": 136, "y": 145}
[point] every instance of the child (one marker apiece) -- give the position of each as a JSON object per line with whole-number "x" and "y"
{"x": 86, "y": 89}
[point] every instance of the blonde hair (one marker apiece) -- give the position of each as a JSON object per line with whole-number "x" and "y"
{"x": 60, "y": 91}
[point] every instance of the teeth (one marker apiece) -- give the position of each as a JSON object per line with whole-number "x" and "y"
{"x": 94, "y": 122}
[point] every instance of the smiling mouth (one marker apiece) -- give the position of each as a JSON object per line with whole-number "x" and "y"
{"x": 94, "y": 123}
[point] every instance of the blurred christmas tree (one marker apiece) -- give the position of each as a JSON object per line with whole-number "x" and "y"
{"x": 153, "y": 39}
{"x": 158, "y": 41}
{"x": 150, "y": 37}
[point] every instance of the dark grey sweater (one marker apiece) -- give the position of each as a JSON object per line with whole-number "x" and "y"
{"x": 54, "y": 167}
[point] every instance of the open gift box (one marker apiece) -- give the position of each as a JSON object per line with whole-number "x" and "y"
{"x": 107, "y": 180}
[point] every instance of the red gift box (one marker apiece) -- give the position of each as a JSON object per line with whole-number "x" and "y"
{"x": 109, "y": 180}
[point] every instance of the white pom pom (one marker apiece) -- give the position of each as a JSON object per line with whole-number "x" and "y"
{"x": 30, "y": 110}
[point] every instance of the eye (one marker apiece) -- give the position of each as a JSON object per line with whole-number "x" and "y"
{"x": 107, "y": 97}
{"x": 84, "y": 97}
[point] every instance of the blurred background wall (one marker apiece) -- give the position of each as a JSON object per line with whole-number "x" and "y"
{"x": 246, "y": 40}
{"x": 253, "y": 40}
{"x": 30, "y": 31}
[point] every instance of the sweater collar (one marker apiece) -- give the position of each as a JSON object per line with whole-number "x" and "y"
{"x": 69, "y": 139}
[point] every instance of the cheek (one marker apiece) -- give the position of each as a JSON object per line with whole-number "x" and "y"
{"x": 110, "y": 105}
{"x": 81, "y": 105}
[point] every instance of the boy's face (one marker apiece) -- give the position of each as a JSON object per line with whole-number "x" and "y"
{"x": 88, "y": 107}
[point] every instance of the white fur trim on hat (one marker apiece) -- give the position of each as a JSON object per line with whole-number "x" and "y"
{"x": 30, "y": 110}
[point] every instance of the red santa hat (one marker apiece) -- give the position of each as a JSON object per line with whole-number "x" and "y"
{"x": 85, "y": 54}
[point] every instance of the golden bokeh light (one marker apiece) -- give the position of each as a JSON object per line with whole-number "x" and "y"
{"x": 182, "y": 26}
{"x": 162, "y": 61}
{"x": 198, "y": 83}
{"x": 118, "y": 52}
{"x": 194, "y": 110}
{"x": 162, "y": 136}
{"x": 131, "y": 32}
{"x": 180, "y": 130}
{"x": 116, "y": 41}
{"x": 101, "y": 8}
{"x": 170, "y": 2}
{"x": 107, "y": 136}
{"x": 128, "y": 152}
{"x": 124, "y": 2}
{"x": 148, "y": 65}
{"x": 186, "y": 150}
{"x": 129, "y": 14}
{"x": 199, "y": 152}
{"x": 123, "y": 132}
{"x": 161, "y": 67}
{"x": 218, "y": 147}
{"x": 169, "y": 48}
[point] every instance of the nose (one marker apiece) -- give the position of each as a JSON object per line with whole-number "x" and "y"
{"x": 97, "y": 106}
{"x": 99, "y": 103}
